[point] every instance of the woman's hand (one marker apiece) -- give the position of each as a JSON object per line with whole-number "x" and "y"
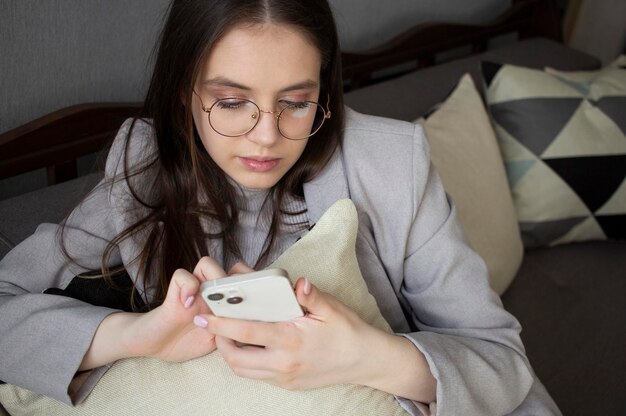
{"x": 169, "y": 332}
{"x": 166, "y": 332}
{"x": 315, "y": 350}
{"x": 329, "y": 345}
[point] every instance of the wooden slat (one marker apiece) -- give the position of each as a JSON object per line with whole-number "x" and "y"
{"x": 55, "y": 141}
{"x": 421, "y": 43}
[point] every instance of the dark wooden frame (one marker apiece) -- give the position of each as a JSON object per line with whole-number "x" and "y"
{"x": 422, "y": 43}
{"x": 57, "y": 140}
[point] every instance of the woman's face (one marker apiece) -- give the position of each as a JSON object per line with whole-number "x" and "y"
{"x": 270, "y": 65}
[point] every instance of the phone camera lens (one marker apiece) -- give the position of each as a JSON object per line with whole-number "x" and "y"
{"x": 235, "y": 300}
{"x": 216, "y": 296}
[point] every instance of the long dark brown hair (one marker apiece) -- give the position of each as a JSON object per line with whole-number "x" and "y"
{"x": 171, "y": 231}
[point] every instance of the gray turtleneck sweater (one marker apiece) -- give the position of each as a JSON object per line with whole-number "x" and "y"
{"x": 255, "y": 215}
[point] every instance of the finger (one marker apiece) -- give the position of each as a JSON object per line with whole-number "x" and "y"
{"x": 247, "y": 332}
{"x": 318, "y": 304}
{"x": 183, "y": 285}
{"x": 208, "y": 269}
{"x": 240, "y": 268}
{"x": 249, "y": 358}
{"x": 256, "y": 363}
{"x": 262, "y": 375}
{"x": 202, "y": 320}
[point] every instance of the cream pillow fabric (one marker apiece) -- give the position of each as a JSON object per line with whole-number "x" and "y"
{"x": 207, "y": 386}
{"x": 464, "y": 149}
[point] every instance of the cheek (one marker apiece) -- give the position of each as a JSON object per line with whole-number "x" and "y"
{"x": 204, "y": 130}
{"x": 297, "y": 150}
{"x": 215, "y": 148}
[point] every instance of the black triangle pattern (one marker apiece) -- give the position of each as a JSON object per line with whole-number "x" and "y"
{"x": 489, "y": 71}
{"x": 540, "y": 234}
{"x": 594, "y": 178}
{"x": 614, "y": 226}
{"x": 535, "y": 122}
{"x": 615, "y": 108}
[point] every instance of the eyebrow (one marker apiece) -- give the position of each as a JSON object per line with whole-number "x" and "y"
{"x": 225, "y": 82}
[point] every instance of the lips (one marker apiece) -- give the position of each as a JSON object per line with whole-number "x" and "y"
{"x": 259, "y": 164}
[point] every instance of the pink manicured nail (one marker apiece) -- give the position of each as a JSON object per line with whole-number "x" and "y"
{"x": 307, "y": 286}
{"x": 200, "y": 321}
{"x": 189, "y": 301}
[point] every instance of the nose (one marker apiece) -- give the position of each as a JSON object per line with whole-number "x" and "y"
{"x": 265, "y": 133}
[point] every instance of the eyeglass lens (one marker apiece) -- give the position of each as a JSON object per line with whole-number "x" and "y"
{"x": 235, "y": 117}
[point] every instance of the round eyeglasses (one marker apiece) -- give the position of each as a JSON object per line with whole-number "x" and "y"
{"x": 233, "y": 117}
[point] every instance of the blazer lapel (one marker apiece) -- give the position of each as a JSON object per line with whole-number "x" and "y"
{"x": 329, "y": 186}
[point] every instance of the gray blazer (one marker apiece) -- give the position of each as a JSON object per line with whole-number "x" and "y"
{"x": 429, "y": 284}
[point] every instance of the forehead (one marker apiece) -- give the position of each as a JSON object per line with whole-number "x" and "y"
{"x": 262, "y": 57}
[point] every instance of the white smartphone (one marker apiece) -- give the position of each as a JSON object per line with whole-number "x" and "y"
{"x": 265, "y": 295}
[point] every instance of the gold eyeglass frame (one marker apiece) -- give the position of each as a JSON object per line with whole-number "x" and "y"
{"x": 277, "y": 114}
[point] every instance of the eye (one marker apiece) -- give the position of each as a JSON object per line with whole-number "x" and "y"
{"x": 294, "y": 105}
{"x": 302, "y": 105}
{"x": 230, "y": 103}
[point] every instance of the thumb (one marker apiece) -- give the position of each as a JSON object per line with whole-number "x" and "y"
{"x": 240, "y": 268}
{"x": 183, "y": 286}
{"x": 312, "y": 299}
{"x": 208, "y": 269}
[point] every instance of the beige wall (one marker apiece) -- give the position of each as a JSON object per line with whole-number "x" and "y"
{"x": 57, "y": 53}
{"x": 598, "y": 27}
{"x": 365, "y": 24}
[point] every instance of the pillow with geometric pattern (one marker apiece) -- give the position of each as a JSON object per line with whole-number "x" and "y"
{"x": 563, "y": 140}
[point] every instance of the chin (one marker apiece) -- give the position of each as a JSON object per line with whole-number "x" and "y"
{"x": 257, "y": 183}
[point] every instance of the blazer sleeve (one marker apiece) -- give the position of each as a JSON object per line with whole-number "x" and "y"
{"x": 470, "y": 342}
{"x": 429, "y": 284}
{"x": 44, "y": 337}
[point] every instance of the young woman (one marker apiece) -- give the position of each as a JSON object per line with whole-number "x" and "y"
{"x": 242, "y": 146}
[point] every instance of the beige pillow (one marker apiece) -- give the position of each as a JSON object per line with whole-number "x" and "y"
{"x": 207, "y": 386}
{"x": 465, "y": 152}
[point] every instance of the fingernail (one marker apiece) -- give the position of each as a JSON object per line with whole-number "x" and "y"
{"x": 307, "y": 286}
{"x": 189, "y": 301}
{"x": 200, "y": 321}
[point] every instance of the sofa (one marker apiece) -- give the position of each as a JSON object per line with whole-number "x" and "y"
{"x": 568, "y": 294}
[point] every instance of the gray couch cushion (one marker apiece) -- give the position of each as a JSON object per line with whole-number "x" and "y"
{"x": 431, "y": 85}
{"x": 22, "y": 214}
{"x": 571, "y": 302}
